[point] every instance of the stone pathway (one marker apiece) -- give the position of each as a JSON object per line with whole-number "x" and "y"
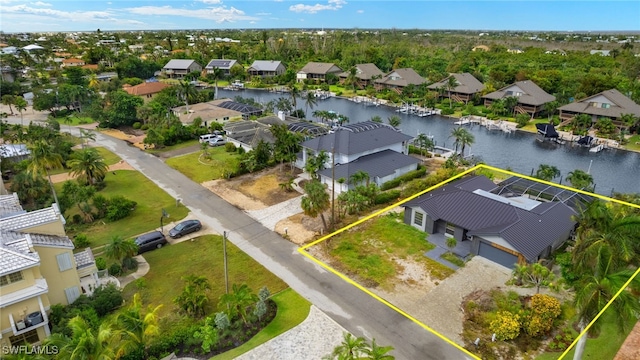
{"x": 270, "y": 216}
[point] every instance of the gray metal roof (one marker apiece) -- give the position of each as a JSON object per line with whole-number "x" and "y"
{"x": 349, "y": 143}
{"x": 529, "y": 232}
{"x": 181, "y": 64}
{"x": 532, "y": 93}
{"x": 224, "y": 64}
{"x": 265, "y": 65}
{"x": 379, "y": 164}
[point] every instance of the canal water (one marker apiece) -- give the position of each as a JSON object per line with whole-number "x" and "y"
{"x": 612, "y": 170}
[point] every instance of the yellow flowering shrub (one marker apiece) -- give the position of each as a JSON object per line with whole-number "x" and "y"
{"x": 544, "y": 310}
{"x": 506, "y": 325}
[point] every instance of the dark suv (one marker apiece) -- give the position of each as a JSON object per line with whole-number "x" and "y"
{"x": 150, "y": 241}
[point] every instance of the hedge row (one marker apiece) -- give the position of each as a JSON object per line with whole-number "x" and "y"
{"x": 421, "y": 171}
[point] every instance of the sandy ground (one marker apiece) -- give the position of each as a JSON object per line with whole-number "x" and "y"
{"x": 122, "y": 165}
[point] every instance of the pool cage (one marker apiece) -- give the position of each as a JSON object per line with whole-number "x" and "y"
{"x": 517, "y": 186}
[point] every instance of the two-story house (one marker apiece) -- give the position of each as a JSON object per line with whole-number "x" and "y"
{"x": 364, "y": 73}
{"x": 399, "y": 79}
{"x": 266, "y": 68}
{"x": 610, "y": 103}
{"x": 146, "y": 90}
{"x": 465, "y": 87}
{"x": 178, "y": 68}
{"x": 37, "y": 269}
{"x": 531, "y": 98}
{"x": 225, "y": 66}
{"x": 376, "y": 149}
{"x": 317, "y": 71}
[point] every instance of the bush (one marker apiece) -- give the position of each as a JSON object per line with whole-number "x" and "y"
{"x": 522, "y": 120}
{"x": 101, "y": 204}
{"x": 387, "y": 197}
{"x": 129, "y": 263}
{"x": 76, "y": 219}
{"x": 506, "y": 325}
{"x": 115, "y": 269}
{"x": 119, "y": 208}
{"x": 101, "y": 263}
{"x": 144, "y": 127}
{"x": 137, "y": 125}
{"x": 81, "y": 241}
{"x": 240, "y": 150}
{"x": 544, "y": 310}
{"x": 421, "y": 171}
{"x": 229, "y": 147}
{"x": 105, "y": 299}
{"x": 447, "y": 111}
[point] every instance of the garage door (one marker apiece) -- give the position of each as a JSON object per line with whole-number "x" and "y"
{"x": 498, "y": 256}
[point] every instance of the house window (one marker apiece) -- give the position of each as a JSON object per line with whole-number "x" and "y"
{"x": 450, "y": 229}
{"x": 29, "y": 337}
{"x": 72, "y": 293}
{"x": 418, "y": 218}
{"x": 64, "y": 261}
{"x": 606, "y": 106}
{"x": 10, "y": 278}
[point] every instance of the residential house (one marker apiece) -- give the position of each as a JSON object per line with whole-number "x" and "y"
{"x": 377, "y": 149}
{"x": 225, "y": 65}
{"x": 178, "y": 68}
{"x": 221, "y": 110}
{"x": 399, "y": 79}
{"x": 317, "y": 71}
{"x": 146, "y": 90}
{"x": 37, "y": 269}
{"x": 611, "y": 104}
{"x": 466, "y": 86}
{"x": 531, "y": 98}
{"x": 266, "y": 68}
{"x": 72, "y": 62}
{"x": 365, "y": 74}
{"x": 508, "y": 223}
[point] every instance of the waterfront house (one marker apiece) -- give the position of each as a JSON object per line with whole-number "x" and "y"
{"x": 178, "y": 68}
{"x": 365, "y": 74}
{"x": 398, "y": 79}
{"x": 225, "y": 65}
{"x": 266, "y": 68}
{"x": 611, "y": 104}
{"x": 466, "y": 86}
{"x": 70, "y": 62}
{"x": 146, "y": 90}
{"x": 317, "y": 71}
{"x": 531, "y": 98}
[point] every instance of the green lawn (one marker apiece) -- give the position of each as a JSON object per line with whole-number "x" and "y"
{"x": 75, "y": 120}
{"x": 367, "y": 250}
{"x": 173, "y": 147}
{"x": 292, "y": 310}
{"x": 204, "y": 257}
{"x": 221, "y": 163}
{"x": 634, "y": 143}
{"x": 531, "y": 126}
{"x": 604, "y": 347}
{"x": 109, "y": 157}
{"x": 134, "y": 186}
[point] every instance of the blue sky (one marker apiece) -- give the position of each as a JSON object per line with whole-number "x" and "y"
{"x": 89, "y": 15}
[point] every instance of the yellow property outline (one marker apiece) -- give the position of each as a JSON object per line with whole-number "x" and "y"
{"x": 303, "y": 251}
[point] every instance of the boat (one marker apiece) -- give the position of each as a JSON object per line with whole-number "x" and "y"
{"x": 463, "y": 121}
{"x": 596, "y": 148}
{"x": 548, "y": 132}
{"x": 586, "y": 141}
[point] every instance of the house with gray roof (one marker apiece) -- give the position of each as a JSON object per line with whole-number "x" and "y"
{"x": 398, "y": 79}
{"x": 178, "y": 68}
{"x": 466, "y": 86}
{"x": 531, "y": 98}
{"x": 506, "y": 227}
{"x": 316, "y": 71}
{"x": 225, "y": 65}
{"x": 266, "y": 68}
{"x": 365, "y": 73}
{"x": 377, "y": 149}
{"x": 611, "y": 104}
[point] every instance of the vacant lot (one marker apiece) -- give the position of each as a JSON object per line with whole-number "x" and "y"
{"x": 199, "y": 169}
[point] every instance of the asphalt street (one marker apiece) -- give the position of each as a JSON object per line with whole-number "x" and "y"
{"x": 350, "y": 307}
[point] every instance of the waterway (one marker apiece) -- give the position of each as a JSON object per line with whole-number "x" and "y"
{"x": 612, "y": 169}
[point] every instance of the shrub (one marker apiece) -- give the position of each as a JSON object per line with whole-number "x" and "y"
{"x": 544, "y": 310}
{"x": 137, "y": 125}
{"x": 447, "y": 111}
{"x": 144, "y": 127}
{"x": 105, "y": 299}
{"x": 387, "y": 197}
{"x": 522, "y": 120}
{"x": 119, "y": 208}
{"x": 240, "y": 150}
{"x": 81, "y": 241}
{"x": 403, "y": 178}
{"x": 101, "y": 263}
{"x": 506, "y": 325}
{"x": 229, "y": 147}
{"x": 129, "y": 263}
{"x": 100, "y": 203}
{"x": 76, "y": 219}
{"x": 115, "y": 269}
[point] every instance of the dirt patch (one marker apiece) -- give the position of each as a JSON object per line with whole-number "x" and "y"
{"x": 121, "y": 165}
{"x": 128, "y": 134}
{"x": 300, "y": 228}
{"x": 233, "y": 197}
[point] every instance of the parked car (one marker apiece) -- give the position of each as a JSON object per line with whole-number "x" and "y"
{"x": 217, "y": 141}
{"x": 150, "y": 241}
{"x": 184, "y": 228}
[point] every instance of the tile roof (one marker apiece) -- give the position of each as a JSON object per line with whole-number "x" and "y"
{"x": 51, "y": 240}
{"x": 467, "y": 84}
{"x": 84, "y": 258}
{"x": 12, "y": 260}
{"x": 349, "y": 142}
{"x": 530, "y": 232}
{"x": 30, "y": 219}
{"x": 620, "y": 105}
{"x": 10, "y": 205}
{"x": 380, "y": 164}
{"x": 224, "y": 64}
{"x": 265, "y": 65}
{"x": 146, "y": 88}
{"x": 402, "y": 77}
{"x": 532, "y": 93}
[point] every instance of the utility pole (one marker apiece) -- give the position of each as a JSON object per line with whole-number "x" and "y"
{"x": 224, "y": 251}
{"x": 333, "y": 186}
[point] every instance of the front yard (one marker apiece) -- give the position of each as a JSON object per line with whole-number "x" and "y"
{"x": 199, "y": 169}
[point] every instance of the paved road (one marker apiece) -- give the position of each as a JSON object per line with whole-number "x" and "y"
{"x": 347, "y": 305}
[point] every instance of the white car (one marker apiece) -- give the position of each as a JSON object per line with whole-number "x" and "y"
{"x": 217, "y": 141}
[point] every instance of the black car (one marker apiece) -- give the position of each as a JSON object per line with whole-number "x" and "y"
{"x": 150, "y": 241}
{"x": 184, "y": 228}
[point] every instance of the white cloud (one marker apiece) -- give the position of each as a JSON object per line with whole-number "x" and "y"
{"x": 312, "y": 9}
{"x": 218, "y": 14}
{"x": 212, "y": 1}
{"x": 263, "y": 14}
{"x": 360, "y": 11}
{"x": 47, "y": 16}
{"x": 40, "y": 3}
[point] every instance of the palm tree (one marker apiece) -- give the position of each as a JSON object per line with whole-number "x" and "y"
{"x": 194, "y": 295}
{"x": 310, "y": 100}
{"x": 424, "y": 143}
{"x": 352, "y": 78}
{"x": 86, "y": 135}
{"x": 187, "y": 91}
{"x": 394, "y": 121}
{"x": 466, "y": 139}
{"x": 238, "y": 301}
{"x": 510, "y": 103}
{"x": 580, "y": 179}
{"x": 88, "y": 165}
{"x": 547, "y": 172}
{"x": 119, "y": 249}
{"x": 582, "y": 122}
{"x": 376, "y": 119}
{"x": 21, "y": 105}
{"x": 450, "y": 85}
{"x": 93, "y": 81}
{"x": 137, "y": 326}
{"x": 295, "y": 94}
{"x": 550, "y": 108}
{"x": 351, "y": 348}
{"x": 316, "y": 201}
{"x": 8, "y": 99}
{"x": 359, "y": 177}
{"x": 43, "y": 159}
{"x": 86, "y": 343}
{"x": 376, "y": 352}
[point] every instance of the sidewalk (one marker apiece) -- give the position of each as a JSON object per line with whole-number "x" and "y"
{"x": 143, "y": 269}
